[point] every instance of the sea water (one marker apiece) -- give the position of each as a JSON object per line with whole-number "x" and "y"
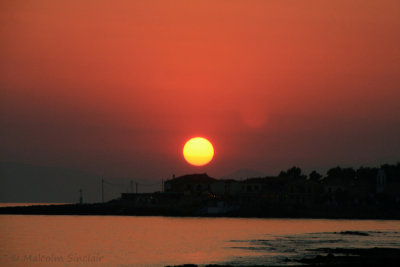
{"x": 38, "y": 240}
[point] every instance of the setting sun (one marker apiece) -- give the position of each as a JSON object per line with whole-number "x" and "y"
{"x": 198, "y": 151}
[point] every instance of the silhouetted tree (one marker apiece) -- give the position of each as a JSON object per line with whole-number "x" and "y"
{"x": 337, "y": 172}
{"x": 334, "y": 172}
{"x": 282, "y": 174}
{"x": 294, "y": 172}
{"x": 315, "y": 176}
{"x": 342, "y": 197}
{"x": 348, "y": 173}
{"x": 366, "y": 174}
{"x": 392, "y": 171}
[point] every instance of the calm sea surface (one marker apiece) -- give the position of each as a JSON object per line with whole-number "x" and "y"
{"x": 27, "y": 240}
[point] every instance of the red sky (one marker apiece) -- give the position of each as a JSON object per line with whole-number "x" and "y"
{"x": 117, "y": 87}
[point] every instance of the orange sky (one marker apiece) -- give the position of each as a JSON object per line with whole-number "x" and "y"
{"x": 117, "y": 87}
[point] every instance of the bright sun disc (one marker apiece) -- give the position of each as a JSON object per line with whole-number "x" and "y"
{"x": 198, "y": 151}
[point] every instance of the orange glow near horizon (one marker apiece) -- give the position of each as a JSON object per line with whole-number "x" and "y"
{"x": 198, "y": 151}
{"x": 116, "y": 88}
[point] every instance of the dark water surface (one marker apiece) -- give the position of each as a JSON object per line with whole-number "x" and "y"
{"x": 36, "y": 240}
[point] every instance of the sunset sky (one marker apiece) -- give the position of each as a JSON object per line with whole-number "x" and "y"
{"x": 118, "y": 87}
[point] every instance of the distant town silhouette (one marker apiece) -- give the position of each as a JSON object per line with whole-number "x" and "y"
{"x": 366, "y": 192}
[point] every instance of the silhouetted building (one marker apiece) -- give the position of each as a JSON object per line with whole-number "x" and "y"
{"x": 253, "y": 186}
{"x": 192, "y": 184}
{"x": 226, "y": 188}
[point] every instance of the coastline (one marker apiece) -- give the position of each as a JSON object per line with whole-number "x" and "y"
{"x": 118, "y": 209}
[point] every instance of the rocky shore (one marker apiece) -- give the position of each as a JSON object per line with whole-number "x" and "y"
{"x": 386, "y": 257}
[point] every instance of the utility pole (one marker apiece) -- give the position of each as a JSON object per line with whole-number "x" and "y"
{"x": 80, "y": 197}
{"x": 102, "y": 190}
{"x": 131, "y": 186}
